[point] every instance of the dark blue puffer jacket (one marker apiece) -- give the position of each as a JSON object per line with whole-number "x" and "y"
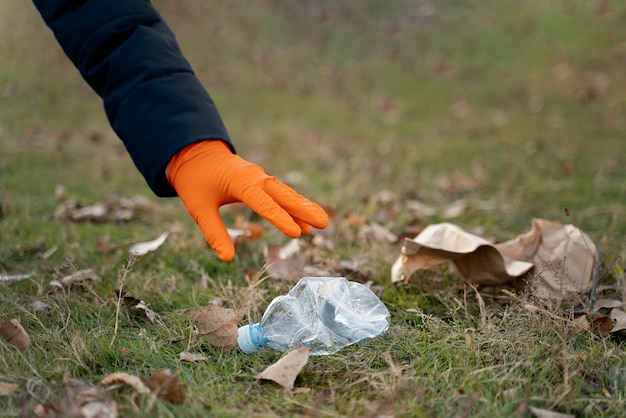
{"x": 130, "y": 57}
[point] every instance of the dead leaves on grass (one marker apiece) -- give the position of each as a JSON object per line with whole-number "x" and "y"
{"x": 138, "y": 308}
{"x": 218, "y": 326}
{"x": 561, "y": 256}
{"x": 83, "y": 400}
{"x": 14, "y": 334}
{"x": 7, "y": 389}
{"x": 163, "y": 384}
{"x": 605, "y": 318}
{"x": 287, "y": 368}
{"x": 143, "y": 248}
{"x": 80, "y": 276}
{"x": 166, "y": 385}
{"x": 112, "y": 209}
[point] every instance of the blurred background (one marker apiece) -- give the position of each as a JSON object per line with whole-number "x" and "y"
{"x": 517, "y": 107}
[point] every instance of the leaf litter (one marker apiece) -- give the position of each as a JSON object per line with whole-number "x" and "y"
{"x": 80, "y": 276}
{"x": 163, "y": 384}
{"x": 83, "y": 400}
{"x": 143, "y": 248}
{"x": 217, "y": 325}
{"x": 14, "y": 334}
{"x": 287, "y": 368}
{"x": 138, "y": 308}
{"x": 561, "y": 256}
{"x": 112, "y": 209}
{"x": 7, "y": 389}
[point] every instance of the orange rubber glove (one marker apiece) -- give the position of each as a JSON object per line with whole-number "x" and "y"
{"x": 207, "y": 175}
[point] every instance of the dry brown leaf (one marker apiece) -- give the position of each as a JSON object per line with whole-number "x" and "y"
{"x": 14, "y": 334}
{"x": 104, "y": 246}
{"x": 545, "y": 413}
{"x": 166, "y": 385}
{"x": 287, "y": 368}
{"x": 562, "y": 255}
{"x": 7, "y": 388}
{"x": 78, "y": 277}
{"x": 217, "y": 325}
{"x": 607, "y": 304}
{"x": 286, "y": 263}
{"x": 602, "y": 324}
{"x": 83, "y": 400}
{"x": 126, "y": 379}
{"x": 112, "y": 209}
{"x": 139, "y": 308}
{"x": 185, "y": 356}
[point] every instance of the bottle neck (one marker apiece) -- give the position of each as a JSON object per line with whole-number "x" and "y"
{"x": 257, "y": 337}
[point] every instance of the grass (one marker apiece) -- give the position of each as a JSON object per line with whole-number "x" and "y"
{"x": 519, "y": 105}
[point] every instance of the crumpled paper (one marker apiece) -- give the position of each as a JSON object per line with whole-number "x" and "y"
{"x": 562, "y": 257}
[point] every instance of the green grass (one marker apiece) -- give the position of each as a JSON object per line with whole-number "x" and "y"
{"x": 351, "y": 99}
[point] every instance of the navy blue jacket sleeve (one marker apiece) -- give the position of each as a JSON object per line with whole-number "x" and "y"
{"x": 129, "y": 56}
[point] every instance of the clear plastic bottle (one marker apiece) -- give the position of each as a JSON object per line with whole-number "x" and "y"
{"x": 324, "y": 314}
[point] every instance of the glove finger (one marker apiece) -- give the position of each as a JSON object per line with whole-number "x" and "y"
{"x": 265, "y": 206}
{"x": 297, "y": 205}
{"x": 215, "y": 232}
{"x": 304, "y": 227}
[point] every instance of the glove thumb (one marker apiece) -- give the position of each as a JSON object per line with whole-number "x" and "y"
{"x": 216, "y": 233}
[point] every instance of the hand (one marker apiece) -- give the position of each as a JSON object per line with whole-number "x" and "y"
{"x": 207, "y": 175}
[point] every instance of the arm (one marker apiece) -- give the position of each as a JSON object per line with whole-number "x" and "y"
{"x": 166, "y": 119}
{"x": 126, "y": 52}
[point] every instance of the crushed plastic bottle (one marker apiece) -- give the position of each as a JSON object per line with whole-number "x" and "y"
{"x": 325, "y": 314}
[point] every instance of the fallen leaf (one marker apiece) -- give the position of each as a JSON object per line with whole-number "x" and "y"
{"x": 618, "y": 319}
{"x": 217, "y": 325}
{"x": 245, "y": 230}
{"x": 378, "y": 232}
{"x": 143, "y": 248}
{"x": 83, "y": 400}
{"x": 607, "y": 304}
{"x": 76, "y": 212}
{"x": 166, "y": 385}
{"x": 126, "y": 379}
{"x": 7, "y": 388}
{"x": 185, "y": 356}
{"x": 78, "y": 277}
{"x": 112, "y": 209}
{"x": 562, "y": 255}
{"x": 104, "y": 246}
{"x": 602, "y": 324}
{"x": 287, "y": 368}
{"x": 583, "y": 322}
{"x": 138, "y": 307}
{"x": 14, "y": 334}
{"x": 545, "y": 413}
{"x": 285, "y": 263}
{"x": 14, "y": 277}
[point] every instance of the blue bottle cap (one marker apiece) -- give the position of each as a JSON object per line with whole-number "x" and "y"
{"x": 250, "y": 338}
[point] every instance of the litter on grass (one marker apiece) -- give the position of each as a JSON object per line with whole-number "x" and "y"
{"x": 562, "y": 257}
